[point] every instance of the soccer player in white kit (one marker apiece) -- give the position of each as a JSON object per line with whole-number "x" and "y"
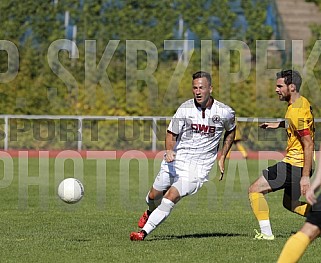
{"x": 192, "y": 142}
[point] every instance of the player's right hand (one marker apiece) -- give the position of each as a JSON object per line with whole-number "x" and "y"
{"x": 169, "y": 156}
{"x": 270, "y": 125}
{"x": 304, "y": 184}
{"x": 264, "y": 125}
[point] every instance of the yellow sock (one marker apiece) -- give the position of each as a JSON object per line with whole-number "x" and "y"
{"x": 302, "y": 209}
{"x": 294, "y": 248}
{"x": 259, "y": 206}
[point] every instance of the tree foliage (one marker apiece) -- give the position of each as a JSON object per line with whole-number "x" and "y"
{"x": 98, "y": 80}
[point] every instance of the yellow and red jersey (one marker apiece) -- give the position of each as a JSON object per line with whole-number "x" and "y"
{"x": 300, "y": 122}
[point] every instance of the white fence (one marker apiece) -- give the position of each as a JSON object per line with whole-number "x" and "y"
{"x": 80, "y": 119}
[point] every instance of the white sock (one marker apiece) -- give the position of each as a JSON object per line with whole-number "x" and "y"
{"x": 158, "y": 215}
{"x": 265, "y": 227}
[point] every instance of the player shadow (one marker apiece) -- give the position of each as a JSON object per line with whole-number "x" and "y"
{"x": 208, "y": 235}
{"x": 285, "y": 235}
{"x": 78, "y": 240}
{"x": 198, "y": 235}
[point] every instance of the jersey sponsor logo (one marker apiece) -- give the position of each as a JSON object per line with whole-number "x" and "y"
{"x": 203, "y": 129}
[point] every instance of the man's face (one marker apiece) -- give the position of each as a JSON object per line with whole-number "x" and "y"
{"x": 282, "y": 90}
{"x": 201, "y": 90}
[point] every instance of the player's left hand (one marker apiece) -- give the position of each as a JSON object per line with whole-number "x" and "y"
{"x": 310, "y": 196}
{"x": 221, "y": 166}
{"x": 304, "y": 184}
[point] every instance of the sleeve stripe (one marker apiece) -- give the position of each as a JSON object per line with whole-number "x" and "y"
{"x": 304, "y": 132}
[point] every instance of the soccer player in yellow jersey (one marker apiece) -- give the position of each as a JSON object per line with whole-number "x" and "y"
{"x": 293, "y": 173}
{"x": 298, "y": 243}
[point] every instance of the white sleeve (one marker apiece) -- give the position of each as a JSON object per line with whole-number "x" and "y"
{"x": 177, "y": 122}
{"x": 230, "y": 120}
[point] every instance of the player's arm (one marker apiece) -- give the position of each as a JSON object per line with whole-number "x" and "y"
{"x": 308, "y": 147}
{"x": 272, "y": 125}
{"x": 227, "y": 144}
{"x": 170, "y": 141}
{"x": 315, "y": 186}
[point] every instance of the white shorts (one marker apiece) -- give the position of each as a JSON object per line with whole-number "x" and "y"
{"x": 184, "y": 178}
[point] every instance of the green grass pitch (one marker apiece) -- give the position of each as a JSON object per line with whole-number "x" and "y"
{"x": 215, "y": 225}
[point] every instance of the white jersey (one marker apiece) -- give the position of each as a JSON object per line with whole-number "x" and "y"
{"x": 199, "y": 132}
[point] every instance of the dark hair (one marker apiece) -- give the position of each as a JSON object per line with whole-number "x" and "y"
{"x": 290, "y": 77}
{"x": 203, "y": 74}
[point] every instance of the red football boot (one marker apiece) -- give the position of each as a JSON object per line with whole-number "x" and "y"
{"x": 142, "y": 221}
{"x": 137, "y": 236}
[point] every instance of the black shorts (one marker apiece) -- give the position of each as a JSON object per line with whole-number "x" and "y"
{"x": 284, "y": 176}
{"x": 314, "y": 214}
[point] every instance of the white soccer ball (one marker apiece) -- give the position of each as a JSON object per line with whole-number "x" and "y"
{"x": 71, "y": 190}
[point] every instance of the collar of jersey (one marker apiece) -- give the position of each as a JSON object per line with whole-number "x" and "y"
{"x": 199, "y": 106}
